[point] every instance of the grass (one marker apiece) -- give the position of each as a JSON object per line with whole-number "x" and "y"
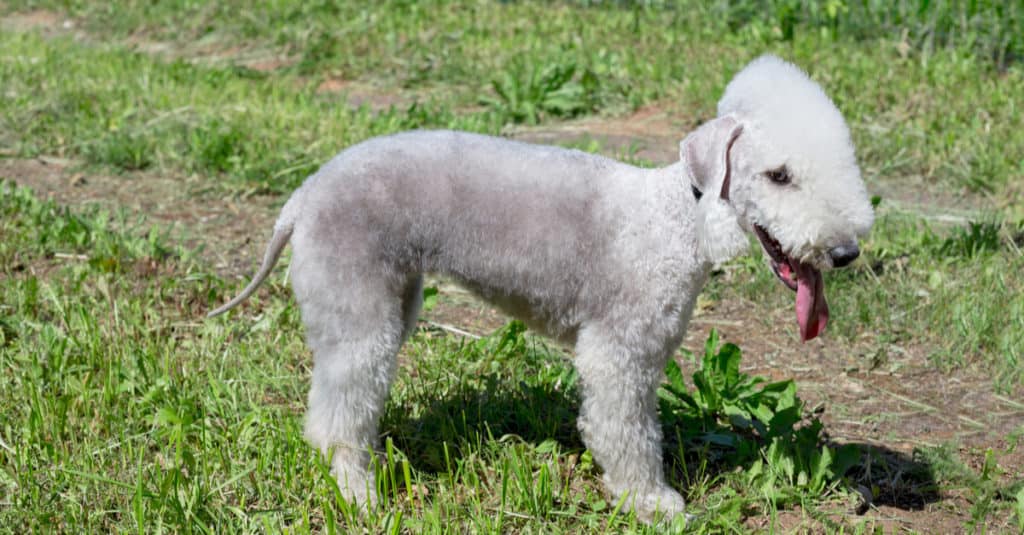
{"x": 123, "y": 412}
{"x": 156, "y": 421}
{"x": 462, "y": 67}
{"x": 182, "y": 118}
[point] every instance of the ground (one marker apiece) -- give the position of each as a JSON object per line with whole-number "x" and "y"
{"x": 904, "y": 403}
{"x": 887, "y": 394}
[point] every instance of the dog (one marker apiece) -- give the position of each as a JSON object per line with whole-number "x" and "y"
{"x": 605, "y": 257}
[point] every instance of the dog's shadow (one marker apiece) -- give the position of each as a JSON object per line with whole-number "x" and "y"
{"x": 442, "y": 421}
{"x": 894, "y": 478}
{"x": 459, "y": 420}
{"x": 882, "y": 476}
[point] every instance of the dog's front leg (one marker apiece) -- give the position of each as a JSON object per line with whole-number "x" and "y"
{"x": 619, "y": 421}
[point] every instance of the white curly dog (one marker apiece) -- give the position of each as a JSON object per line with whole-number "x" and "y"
{"x": 603, "y": 256}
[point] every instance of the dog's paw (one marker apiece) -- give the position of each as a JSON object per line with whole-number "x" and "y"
{"x": 665, "y": 503}
{"x": 362, "y": 496}
{"x": 658, "y": 505}
{"x": 356, "y": 484}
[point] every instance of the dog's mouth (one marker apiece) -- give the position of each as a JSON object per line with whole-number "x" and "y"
{"x": 804, "y": 279}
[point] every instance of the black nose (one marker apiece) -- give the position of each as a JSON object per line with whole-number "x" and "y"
{"x": 842, "y": 255}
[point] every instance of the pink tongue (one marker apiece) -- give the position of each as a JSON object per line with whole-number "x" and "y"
{"x": 811, "y": 308}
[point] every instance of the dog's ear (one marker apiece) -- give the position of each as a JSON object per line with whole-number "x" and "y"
{"x": 705, "y": 153}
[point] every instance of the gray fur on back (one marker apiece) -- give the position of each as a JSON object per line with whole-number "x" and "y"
{"x": 554, "y": 236}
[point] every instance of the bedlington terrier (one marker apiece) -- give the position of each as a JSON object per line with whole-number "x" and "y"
{"x": 600, "y": 255}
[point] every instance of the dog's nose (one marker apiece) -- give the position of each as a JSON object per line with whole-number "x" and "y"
{"x": 842, "y": 255}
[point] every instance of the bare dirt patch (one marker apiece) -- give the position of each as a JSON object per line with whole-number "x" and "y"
{"x": 459, "y": 310}
{"x": 212, "y": 49}
{"x": 47, "y": 21}
{"x": 652, "y": 133}
{"x": 358, "y": 94}
{"x": 49, "y": 24}
{"x": 228, "y": 231}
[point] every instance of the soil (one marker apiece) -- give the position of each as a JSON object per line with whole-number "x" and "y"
{"x": 227, "y": 230}
{"x": 894, "y": 408}
{"x": 650, "y": 134}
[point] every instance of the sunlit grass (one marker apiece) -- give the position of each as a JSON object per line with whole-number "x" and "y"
{"x": 124, "y": 411}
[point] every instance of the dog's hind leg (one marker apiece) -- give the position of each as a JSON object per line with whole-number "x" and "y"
{"x": 354, "y": 324}
{"x": 412, "y": 301}
{"x": 618, "y": 419}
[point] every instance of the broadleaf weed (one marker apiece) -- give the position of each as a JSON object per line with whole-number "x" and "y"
{"x": 754, "y": 424}
{"x": 528, "y": 93}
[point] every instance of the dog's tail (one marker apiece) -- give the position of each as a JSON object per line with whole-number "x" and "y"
{"x": 282, "y": 233}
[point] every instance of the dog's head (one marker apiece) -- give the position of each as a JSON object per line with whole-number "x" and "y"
{"x": 778, "y": 162}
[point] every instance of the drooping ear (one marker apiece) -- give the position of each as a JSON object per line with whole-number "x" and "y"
{"x": 705, "y": 153}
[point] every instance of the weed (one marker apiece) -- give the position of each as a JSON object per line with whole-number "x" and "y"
{"x": 55, "y": 230}
{"x": 527, "y": 92}
{"x": 217, "y": 147}
{"x": 1019, "y": 509}
{"x": 733, "y": 415}
{"x": 123, "y": 412}
{"x": 127, "y": 151}
{"x": 977, "y": 238}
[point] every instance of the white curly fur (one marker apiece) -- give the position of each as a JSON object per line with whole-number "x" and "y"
{"x": 603, "y": 256}
{"x": 788, "y": 120}
{"x": 721, "y": 236}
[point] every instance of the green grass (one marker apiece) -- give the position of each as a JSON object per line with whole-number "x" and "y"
{"x": 481, "y": 65}
{"x": 182, "y": 118}
{"x": 123, "y": 411}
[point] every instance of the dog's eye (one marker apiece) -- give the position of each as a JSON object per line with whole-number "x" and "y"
{"x": 778, "y": 176}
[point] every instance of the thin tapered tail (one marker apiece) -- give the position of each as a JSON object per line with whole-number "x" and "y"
{"x": 277, "y": 242}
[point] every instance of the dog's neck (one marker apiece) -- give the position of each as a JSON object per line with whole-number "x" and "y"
{"x": 674, "y": 185}
{"x": 678, "y": 200}
{"x": 675, "y": 197}
{"x": 676, "y": 203}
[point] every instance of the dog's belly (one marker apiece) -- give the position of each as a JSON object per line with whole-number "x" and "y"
{"x": 556, "y": 321}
